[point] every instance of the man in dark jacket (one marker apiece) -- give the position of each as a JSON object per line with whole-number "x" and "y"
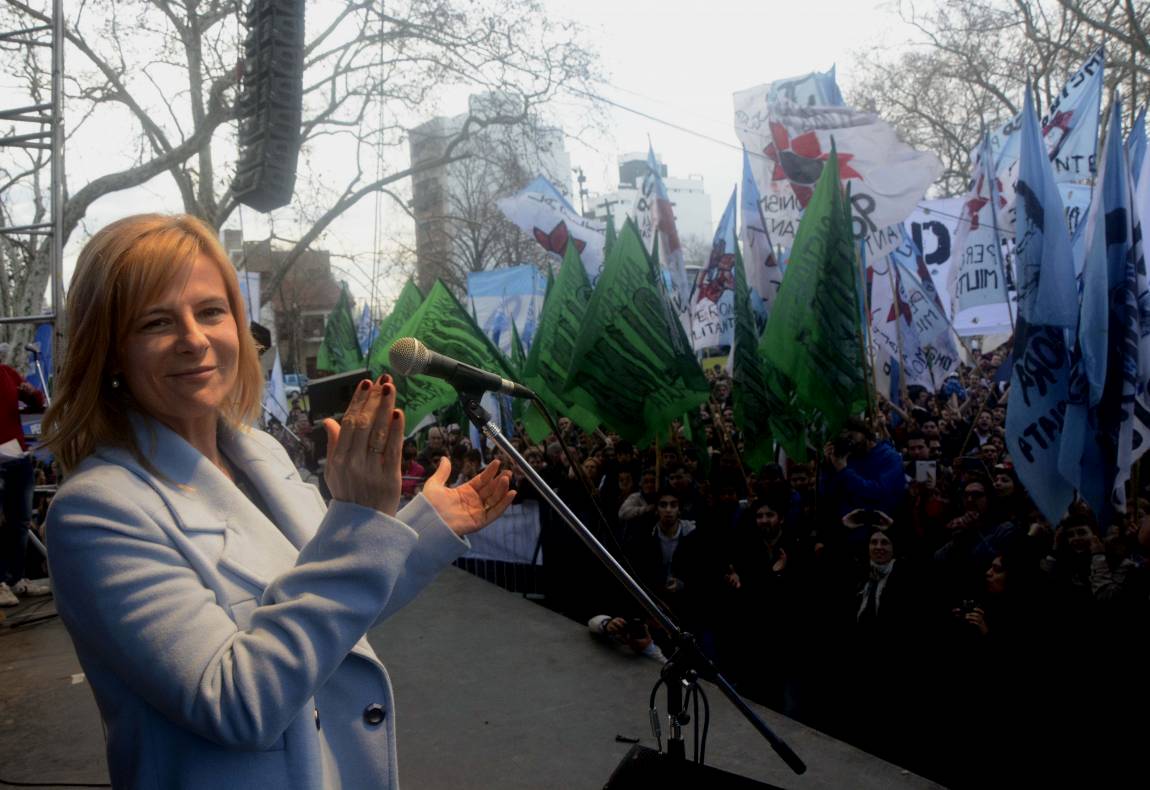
{"x": 864, "y": 473}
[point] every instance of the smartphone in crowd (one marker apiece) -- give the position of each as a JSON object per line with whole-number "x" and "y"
{"x": 926, "y": 471}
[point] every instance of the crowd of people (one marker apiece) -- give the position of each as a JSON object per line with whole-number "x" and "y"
{"x": 898, "y": 589}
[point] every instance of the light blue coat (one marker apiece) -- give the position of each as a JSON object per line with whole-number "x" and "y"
{"x": 225, "y": 650}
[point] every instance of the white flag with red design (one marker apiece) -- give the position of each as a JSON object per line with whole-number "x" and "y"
{"x": 542, "y": 212}
{"x": 791, "y": 144}
{"x": 655, "y": 217}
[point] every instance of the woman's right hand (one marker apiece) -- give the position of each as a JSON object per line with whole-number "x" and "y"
{"x": 365, "y": 449}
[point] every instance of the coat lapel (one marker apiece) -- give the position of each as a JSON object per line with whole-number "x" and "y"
{"x": 200, "y": 497}
{"x": 296, "y": 507}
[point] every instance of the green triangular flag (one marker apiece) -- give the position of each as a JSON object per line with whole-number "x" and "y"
{"x": 612, "y": 236}
{"x": 812, "y": 338}
{"x": 405, "y": 306}
{"x": 517, "y": 359}
{"x": 339, "y": 352}
{"x": 633, "y": 362}
{"x": 549, "y": 360}
{"x": 749, "y": 384}
{"x": 443, "y": 325}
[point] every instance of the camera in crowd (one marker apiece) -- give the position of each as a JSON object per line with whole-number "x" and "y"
{"x": 636, "y": 629}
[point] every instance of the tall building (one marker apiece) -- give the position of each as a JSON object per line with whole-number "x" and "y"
{"x": 451, "y": 202}
{"x": 688, "y": 196}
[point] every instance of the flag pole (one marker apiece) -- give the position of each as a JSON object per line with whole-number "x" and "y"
{"x": 989, "y": 174}
{"x": 726, "y": 436}
{"x": 865, "y": 347}
{"x": 902, "y": 388}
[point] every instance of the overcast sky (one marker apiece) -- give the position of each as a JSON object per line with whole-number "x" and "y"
{"x": 677, "y": 62}
{"x": 683, "y": 68}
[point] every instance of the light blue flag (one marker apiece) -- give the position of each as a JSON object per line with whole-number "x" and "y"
{"x": 1047, "y": 306}
{"x": 365, "y": 331}
{"x": 500, "y": 297}
{"x": 1099, "y": 436}
{"x": 818, "y": 88}
{"x": 1070, "y": 128}
{"x": 1136, "y": 145}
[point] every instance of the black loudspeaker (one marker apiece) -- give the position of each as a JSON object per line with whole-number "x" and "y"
{"x": 643, "y": 769}
{"x": 330, "y": 395}
{"x": 270, "y": 106}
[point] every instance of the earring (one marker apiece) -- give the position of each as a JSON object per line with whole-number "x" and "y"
{"x": 116, "y": 381}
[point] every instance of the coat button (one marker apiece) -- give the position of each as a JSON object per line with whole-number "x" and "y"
{"x": 374, "y": 714}
{"x": 316, "y": 717}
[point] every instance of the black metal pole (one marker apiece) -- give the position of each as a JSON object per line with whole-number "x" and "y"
{"x": 687, "y": 654}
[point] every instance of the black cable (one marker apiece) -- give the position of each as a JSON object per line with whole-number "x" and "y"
{"x": 30, "y": 615}
{"x": 706, "y": 725}
{"x": 10, "y": 783}
{"x": 26, "y": 622}
{"x": 695, "y": 697}
{"x": 654, "y": 712}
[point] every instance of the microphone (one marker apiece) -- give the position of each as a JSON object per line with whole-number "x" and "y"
{"x": 409, "y": 357}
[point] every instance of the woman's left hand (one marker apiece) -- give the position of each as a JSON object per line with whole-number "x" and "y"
{"x": 475, "y": 504}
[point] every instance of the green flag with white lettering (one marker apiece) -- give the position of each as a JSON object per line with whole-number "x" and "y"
{"x": 339, "y": 352}
{"x": 549, "y": 360}
{"x": 405, "y": 306}
{"x": 812, "y": 337}
{"x": 633, "y": 364}
{"x": 443, "y": 325}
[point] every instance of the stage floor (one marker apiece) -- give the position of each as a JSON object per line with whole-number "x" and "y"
{"x": 492, "y": 691}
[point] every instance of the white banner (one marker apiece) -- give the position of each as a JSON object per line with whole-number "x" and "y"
{"x": 789, "y": 144}
{"x": 510, "y": 538}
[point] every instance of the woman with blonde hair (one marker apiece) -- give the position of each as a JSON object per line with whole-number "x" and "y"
{"x": 217, "y": 606}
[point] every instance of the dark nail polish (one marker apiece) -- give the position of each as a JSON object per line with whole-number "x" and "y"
{"x": 394, "y": 415}
{"x": 386, "y": 389}
{"x": 364, "y": 385}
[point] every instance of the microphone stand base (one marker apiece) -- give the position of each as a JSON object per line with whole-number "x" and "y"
{"x": 643, "y": 768}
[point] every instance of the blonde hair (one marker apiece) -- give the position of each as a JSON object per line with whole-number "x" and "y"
{"x": 121, "y": 269}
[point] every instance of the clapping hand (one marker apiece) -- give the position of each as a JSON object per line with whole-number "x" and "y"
{"x": 365, "y": 448}
{"x": 472, "y": 506}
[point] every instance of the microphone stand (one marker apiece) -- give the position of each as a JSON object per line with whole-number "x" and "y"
{"x": 35, "y": 352}
{"x": 687, "y": 660}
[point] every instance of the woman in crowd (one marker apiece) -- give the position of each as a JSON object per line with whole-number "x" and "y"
{"x": 218, "y": 608}
{"x": 413, "y": 473}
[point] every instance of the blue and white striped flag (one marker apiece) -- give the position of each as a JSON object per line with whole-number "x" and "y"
{"x": 365, "y": 330}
